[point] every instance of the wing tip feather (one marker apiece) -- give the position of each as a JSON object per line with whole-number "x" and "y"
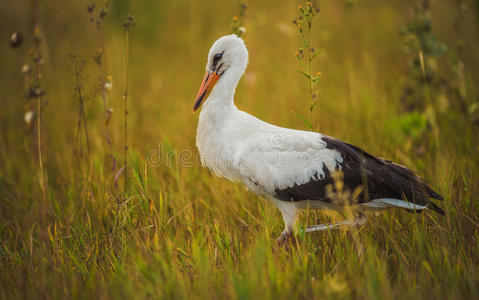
{"x": 432, "y": 206}
{"x": 435, "y": 195}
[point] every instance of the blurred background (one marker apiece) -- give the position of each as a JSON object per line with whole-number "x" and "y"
{"x": 397, "y": 78}
{"x": 366, "y": 63}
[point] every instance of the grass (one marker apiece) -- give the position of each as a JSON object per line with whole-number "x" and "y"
{"x": 181, "y": 232}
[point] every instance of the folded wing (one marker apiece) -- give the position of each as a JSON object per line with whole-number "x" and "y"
{"x": 300, "y": 168}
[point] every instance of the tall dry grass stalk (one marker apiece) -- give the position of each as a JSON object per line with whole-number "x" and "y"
{"x": 78, "y": 64}
{"x": 304, "y": 24}
{"x": 127, "y": 25}
{"x": 97, "y": 17}
{"x": 39, "y": 92}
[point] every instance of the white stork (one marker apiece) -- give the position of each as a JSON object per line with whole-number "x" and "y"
{"x": 291, "y": 168}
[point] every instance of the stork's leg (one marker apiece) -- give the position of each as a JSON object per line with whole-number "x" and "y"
{"x": 290, "y": 214}
{"x": 285, "y": 236}
{"x": 357, "y": 222}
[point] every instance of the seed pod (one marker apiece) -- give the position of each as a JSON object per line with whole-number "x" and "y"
{"x": 90, "y": 8}
{"x": 29, "y": 117}
{"x": 102, "y": 14}
{"x": 109, "y": 112}
{"x": 16, "y": 39}
{"x": 35, "y": 92}
{"x": 26, "y": 69}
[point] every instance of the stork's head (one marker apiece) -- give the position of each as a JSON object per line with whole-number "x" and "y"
{"x": 227, "y": 61}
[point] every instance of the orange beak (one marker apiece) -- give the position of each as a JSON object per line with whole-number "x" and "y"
{"x": 206, "y": 87}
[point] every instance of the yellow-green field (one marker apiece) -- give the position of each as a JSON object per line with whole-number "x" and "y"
{"x": 174, "y": 230}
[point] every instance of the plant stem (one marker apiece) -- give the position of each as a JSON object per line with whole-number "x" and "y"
{"x": 39, "y": 104}
{"x": 100, "y": 45}
{"x": 432, "y": 114}
{"x": 310, "y": 75}
{"x": 82, "y": 115}
{"x": 39, "y": 138}
{"x": 125, "y": 96}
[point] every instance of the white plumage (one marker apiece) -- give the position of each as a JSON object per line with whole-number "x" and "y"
{"x": 280, "y": 164}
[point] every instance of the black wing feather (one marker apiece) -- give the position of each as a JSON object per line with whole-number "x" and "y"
{"x": 379, "y": 178}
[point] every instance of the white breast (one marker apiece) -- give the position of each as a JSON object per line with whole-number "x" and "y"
{"x": 217, "y": 139}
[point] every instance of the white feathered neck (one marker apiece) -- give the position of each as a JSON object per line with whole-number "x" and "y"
{"x": 219, "y": 114}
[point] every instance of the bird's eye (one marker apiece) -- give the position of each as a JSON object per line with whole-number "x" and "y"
{"x": 217, "y": 57}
